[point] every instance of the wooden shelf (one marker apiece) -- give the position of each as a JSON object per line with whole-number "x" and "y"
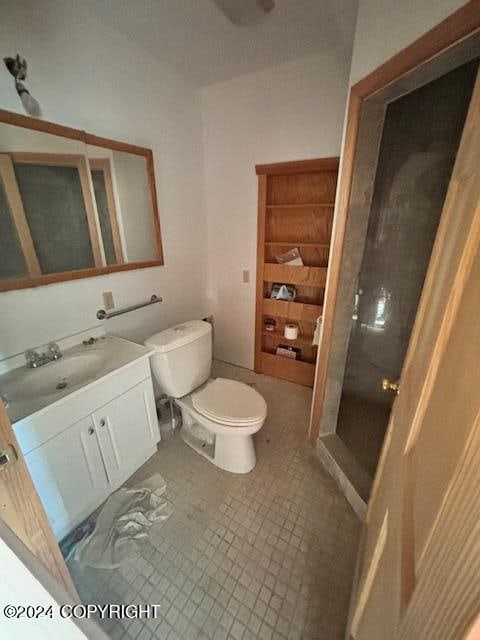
{"x": 277, "y": 243}
{"x": 298, "y": 167}
{"x": 291, "y": 274}
{"x": 291, "y": 310}
{"x": 301, "y": 341}
{"x": 288, "y": 369}
{"x": 301, "y": 205}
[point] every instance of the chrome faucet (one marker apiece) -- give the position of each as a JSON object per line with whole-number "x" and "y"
{"x": 35, "y": 359}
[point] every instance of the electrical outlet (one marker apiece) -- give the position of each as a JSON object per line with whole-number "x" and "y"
{"x": 108, "y": 300}
{"x": 246, "y": 276}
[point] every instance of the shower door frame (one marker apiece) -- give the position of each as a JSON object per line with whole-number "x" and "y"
{"x": 459, "y": 26}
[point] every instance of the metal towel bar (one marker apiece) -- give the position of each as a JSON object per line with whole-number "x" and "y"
{"x": 103, "y": 315}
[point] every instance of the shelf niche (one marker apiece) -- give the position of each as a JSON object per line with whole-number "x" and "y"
{"x": 295, "y": 210}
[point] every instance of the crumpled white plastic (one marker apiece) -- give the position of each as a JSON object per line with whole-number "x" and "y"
{"x": 126, "y": 518}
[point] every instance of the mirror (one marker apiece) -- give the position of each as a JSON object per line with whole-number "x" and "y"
{"x": 72, "y": 205}
{"x": 120, "y": 183}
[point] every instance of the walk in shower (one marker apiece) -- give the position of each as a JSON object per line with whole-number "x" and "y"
{"x": 419, "y": 142}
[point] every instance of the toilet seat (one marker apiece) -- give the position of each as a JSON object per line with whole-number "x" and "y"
{"x": 230, "y": 403}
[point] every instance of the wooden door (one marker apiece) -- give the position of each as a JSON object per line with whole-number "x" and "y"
{"x": 69, "y": 475}
{"x": 419, "y": 560}
{"x": 23, "y": 512}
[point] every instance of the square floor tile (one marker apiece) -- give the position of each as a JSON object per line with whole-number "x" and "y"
{"x": 269, "y": 554}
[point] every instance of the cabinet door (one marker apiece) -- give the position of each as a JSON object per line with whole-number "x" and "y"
{"x": 127, "y": 431}
{"x": 69, "y": 475}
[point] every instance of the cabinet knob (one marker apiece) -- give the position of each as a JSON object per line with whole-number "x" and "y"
{"x": 91, "y": 431}
{"x": 102, "y": 423}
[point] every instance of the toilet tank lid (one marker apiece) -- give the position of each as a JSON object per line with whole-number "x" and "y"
{"x": 178, "y": 336}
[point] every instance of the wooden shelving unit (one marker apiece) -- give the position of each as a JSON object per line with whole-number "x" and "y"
{"x": 295, "y": 210}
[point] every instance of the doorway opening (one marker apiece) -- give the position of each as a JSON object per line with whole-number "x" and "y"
{"x": 403, "y": 132}
{"x": 420, "y": 138}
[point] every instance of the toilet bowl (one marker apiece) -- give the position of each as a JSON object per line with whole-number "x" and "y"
{"x": 219, "y": 415}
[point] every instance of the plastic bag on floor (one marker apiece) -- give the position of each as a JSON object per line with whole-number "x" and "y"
{"x": 126, "y": 518}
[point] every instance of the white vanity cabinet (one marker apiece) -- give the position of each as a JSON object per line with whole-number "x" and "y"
{"x": 81, "y": 449}
{"x": 69, "y": 475}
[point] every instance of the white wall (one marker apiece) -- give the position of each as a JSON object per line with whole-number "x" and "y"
{"x": 90, "y": 77}
{"x": 290, "y": 112}
{"x": 385, "y": 27}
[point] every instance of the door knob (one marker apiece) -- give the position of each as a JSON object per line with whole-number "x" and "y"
{"x": 391, "y": 386}
{"x": 102, "y": 423}
{"x": 91, "y": 431}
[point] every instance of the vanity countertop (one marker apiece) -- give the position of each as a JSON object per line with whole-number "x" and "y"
{"x": 31, "y": 391}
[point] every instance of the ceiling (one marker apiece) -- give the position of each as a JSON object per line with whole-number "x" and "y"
{"x": 196, "y": 37}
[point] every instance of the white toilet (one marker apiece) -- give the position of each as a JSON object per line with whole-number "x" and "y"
{"x": 219, "y": 415}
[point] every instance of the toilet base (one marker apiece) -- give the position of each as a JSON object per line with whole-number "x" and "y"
{"x": 227, "y": 447}
{"x": 235, "y": 454}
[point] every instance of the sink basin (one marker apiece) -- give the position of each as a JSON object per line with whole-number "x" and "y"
{"x": 70, "y": 371}
{"x": 28, "y": 391}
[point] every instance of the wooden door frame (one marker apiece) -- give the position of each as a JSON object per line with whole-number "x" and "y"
{"x": 457, "y": 27}
{"x": 79, "y": 163}
{"x": 104, "y": 165}
{"x": 19, "y": 219}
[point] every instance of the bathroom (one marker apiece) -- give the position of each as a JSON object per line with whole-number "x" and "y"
{"x": 163, "y": 329}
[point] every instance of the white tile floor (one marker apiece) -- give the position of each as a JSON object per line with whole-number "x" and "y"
{"x": 265, "y": 555}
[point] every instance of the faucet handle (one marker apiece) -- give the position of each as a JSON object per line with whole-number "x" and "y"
{"x": 54, "y": 350}
{"x": 33, "y": 358}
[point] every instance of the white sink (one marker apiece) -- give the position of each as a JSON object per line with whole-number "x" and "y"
{"x": 30, "y": 390}
{"x": 70, "y": 371}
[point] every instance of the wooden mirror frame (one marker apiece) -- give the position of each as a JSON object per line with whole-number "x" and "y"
{"x": 19, "y": 120}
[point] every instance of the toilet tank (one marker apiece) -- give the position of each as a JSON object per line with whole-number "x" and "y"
{"x": 183, "y": 357}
